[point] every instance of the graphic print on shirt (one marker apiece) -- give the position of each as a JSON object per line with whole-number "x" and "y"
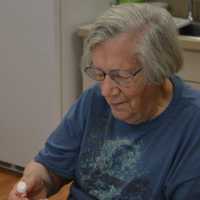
{"x": 111, "y": 172}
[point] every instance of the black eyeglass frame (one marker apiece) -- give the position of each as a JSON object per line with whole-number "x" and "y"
{"x": 112, "y": 74}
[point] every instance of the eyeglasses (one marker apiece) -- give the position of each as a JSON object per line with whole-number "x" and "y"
{"x": 121, "y": 77}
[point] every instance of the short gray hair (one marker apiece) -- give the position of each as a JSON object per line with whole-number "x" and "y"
{"x": 157, "y": 50}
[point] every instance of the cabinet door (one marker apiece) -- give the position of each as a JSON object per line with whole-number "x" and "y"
{"x": 191, "y": 68}
{"x": 29, "y": 77}
{"x": 194, "y": 85}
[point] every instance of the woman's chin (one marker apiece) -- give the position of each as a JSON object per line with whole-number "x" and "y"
{"x": 126, "y": 116}
{"x": 120, "y": 114}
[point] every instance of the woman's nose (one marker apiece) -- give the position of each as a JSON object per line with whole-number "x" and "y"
{"x": 108, "y": 87}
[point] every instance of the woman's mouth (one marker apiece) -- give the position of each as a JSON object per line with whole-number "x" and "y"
{"x": 117, "y": 105}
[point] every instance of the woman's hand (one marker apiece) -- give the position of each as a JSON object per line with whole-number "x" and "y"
{"x": 36, "y": 190}
{"x": 40, "y": 183}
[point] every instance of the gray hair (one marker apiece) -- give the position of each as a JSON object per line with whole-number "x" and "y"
{"x": 157, "y": 49}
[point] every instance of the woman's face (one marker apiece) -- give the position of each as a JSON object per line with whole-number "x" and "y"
{"x": 128, "y": 103}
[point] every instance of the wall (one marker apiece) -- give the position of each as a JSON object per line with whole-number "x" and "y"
{"x": 29, "y": 77}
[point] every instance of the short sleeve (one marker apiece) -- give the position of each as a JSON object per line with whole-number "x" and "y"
{"x": 62, "y": 147}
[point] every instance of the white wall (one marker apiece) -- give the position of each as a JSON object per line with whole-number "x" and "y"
{"x": 29, "y": 77}
{"x": 75, "y": 13}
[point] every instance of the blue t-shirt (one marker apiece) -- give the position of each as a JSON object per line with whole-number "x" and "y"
{"x": 108, "y": 159}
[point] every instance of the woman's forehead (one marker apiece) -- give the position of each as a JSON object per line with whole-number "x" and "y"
{"x": 115, "y": 54}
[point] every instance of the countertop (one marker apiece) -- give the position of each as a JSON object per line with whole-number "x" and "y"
{"x": 186, "y": 42}
{"x": 189, "y": 42}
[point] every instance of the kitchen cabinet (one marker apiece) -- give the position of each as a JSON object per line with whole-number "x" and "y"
{"x": 191, "y": 54}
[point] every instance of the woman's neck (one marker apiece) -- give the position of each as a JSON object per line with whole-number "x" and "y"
{"x": 163, "y": 98}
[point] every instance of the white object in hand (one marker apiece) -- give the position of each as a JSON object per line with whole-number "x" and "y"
{"x": 21, "y": 187}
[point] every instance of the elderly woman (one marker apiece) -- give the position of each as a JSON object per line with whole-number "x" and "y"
{"x": 135, "y": 134}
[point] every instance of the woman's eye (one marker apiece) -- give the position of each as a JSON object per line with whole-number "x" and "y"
{"x": 99, "y": 75}
{"x": 124, "y": 74}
